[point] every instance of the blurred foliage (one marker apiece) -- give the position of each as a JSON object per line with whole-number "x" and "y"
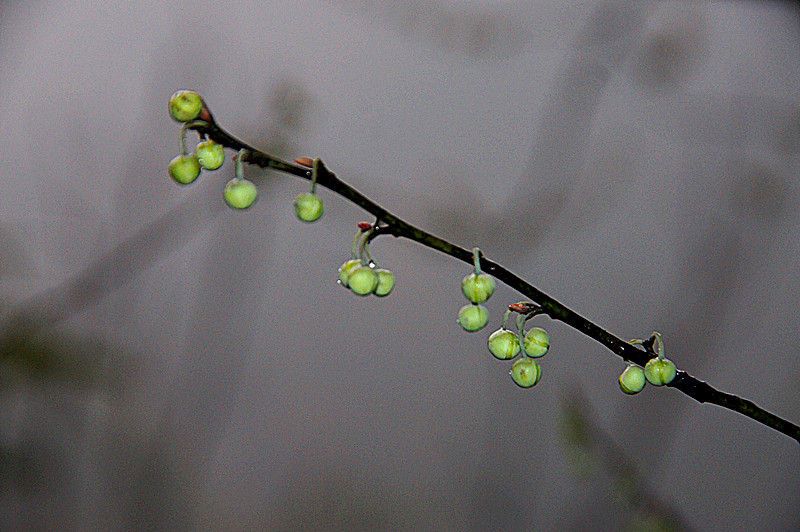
{"x": 597, "y": 458}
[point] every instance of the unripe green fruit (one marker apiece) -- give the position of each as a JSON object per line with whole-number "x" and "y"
{"x": 660, "y": 371}
{"x": 346, "y": 269}
{"x": 385, "y": 282}
{"x": 184, "y": 169}
{"x": 504, "y": 344}
{"x": 240, "y": 193}
{"x": 308, "y": 207}
{"x": 210, "y": 154}
{"x": 185, "y": 105}
{"x": 473, "y": 317}
{"x": 478, "y": 288}
{"x": 362, "y": 280}
{"x": 536, "y": 342}
{"x": 632, "y": 380}
{"x": 526, "y": 372}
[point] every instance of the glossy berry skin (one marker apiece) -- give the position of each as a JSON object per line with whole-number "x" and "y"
{"x": 240, "y": 193}
{"x": 473, "y": 317}
{"x": 346, "y": 269}
{"x": 210, "y": 154}
{"x": 660, "y": 371}
{"x": 632, "y": 380}
{"x": 308, "y": 207}
{"x": 536, "y": 342}
{"x": 185, "y": 105}
{"x": 385, "y": 282}
{"x": 477, "y": 288}
{"x": 526, "y": 372}
{"x": 362, "y": 280}
{"x": 504, "y": 344}
{"x": 184, "y": 169}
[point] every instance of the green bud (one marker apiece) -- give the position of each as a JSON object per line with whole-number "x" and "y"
{"x": 362, "y": 280}
{"x": 477, "y": 288}
{"x": 184, "y": 169}
{"x": 473, "y": 317}
{"x": 504, "y": 344}
{"x": 385, "y": 282}
{"x": 346, "y": 269}
{"x": 185, "y": 105}
{"x": 526, "y": 372}
{"x": 632, "y": 380}
{"x": 308, "y": 207}
{"x": 660, "y": 371}
{"x": 240, "y": 193}
{"x": 536, "y": 342}
{"x": 210, "y": 154}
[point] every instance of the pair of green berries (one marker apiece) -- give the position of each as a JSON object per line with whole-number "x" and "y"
{"x": 185, "y": 168}
{"x": 657, "y": 371}
{"x": 477, "y": 288}
{"x": 505, "y": 345}
{"x": 363, "y": 280}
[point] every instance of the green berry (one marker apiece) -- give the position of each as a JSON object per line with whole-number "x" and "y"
{"x": 346, "y": 269}
{"x": 536, "y": 342}
{"x": 632, "y": 380}
{"x": 504, "y": 344}
{"x": 184, "y": 169}
{"x": 526, "y": 372}
{"x": 385, "y": 282}
{"x": 240, "y": 193}
{"x": 478, "y": 288}
{"x": 473, "y": 317}
{"x": 185, "y": 105}
{"x": 362, "y": 280}
{"x": 308, "y": 207}
{"x": 210, "y": 154}
{"x": 660, "y": 371}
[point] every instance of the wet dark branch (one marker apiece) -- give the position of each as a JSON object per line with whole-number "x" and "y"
{"x": 684, "y": 382}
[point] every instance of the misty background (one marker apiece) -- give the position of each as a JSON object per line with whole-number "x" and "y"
{"x": 168, "y": 363}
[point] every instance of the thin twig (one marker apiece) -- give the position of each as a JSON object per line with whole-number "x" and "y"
{"x": 689, "y": 385}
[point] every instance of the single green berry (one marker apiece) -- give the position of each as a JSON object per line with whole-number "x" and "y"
{"x": 536, "y": 342}
{"x": 504, "y": 344}
{"x": 346, "y": 269}
{"x": 184, "y": 168}
{"x": 660, "y": 371}
{"x": 478, "y": 288}
{"x": 185, "y": 105}
{"x": 473, "y": 317}
{"x": 385, "y": 282}
{"x": 632, "y": 380}
{"x": 308, "y": 207}
{"x": 240, "y": 193}
{"x": 362, "y": 280}
{"x": 526, "y": 372}
{"x": 210, "y": 154}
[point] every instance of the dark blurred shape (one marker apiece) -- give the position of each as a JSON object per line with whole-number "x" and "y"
{"x": 672, "y": 51}
{"x": 598, "y": 459}
{"x": 467, "y": 30}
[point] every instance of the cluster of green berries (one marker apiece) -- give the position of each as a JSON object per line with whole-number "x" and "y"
{"x": 360, "y": 274}
{"x": 477, "y": 287}
{"x": 505, "y": 344}
{"x": 657, "y": 371}
{"x": 187, "y": 107}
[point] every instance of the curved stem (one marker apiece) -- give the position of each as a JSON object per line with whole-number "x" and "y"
{"x": 684, "y": 382}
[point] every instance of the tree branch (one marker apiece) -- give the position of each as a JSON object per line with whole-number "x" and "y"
{"x": 689, "y": 385}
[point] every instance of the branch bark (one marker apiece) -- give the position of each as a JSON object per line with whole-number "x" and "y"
{"x": 684, "y": 382}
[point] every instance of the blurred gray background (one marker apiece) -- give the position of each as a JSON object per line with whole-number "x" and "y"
{"x": 170, "y": 364}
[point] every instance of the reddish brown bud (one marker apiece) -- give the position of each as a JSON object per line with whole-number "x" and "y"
{"x": 305, "y": 161}
{"x": 364, "y": 225}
